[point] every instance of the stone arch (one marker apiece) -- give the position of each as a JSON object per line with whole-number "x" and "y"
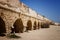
{"x": 35, "y": 25}
{"x": 2, "y": 26}
{"x": 38, "y": 25}
{"x": 18, "y": 26}
{"x": 29, "y": 25}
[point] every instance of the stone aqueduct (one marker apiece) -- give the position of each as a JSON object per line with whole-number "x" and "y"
{"x": 17, "y": 14}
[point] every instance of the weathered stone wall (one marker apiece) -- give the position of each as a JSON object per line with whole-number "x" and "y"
{"x": 10, "y": 16}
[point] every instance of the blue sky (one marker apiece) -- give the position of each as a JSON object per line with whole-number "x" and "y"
{"x": 48, "y": 8}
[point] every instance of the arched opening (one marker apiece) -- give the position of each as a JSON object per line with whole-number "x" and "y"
{"x": 29, "y": 25}
{"x": 35, "y": 26}
{"x": 2, "y": 27}
{"x": 38, "y": 25}
{"x": 18, "y": 26}
{"x": 42, "y": 25}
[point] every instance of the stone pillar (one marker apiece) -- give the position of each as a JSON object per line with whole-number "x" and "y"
{"x": 8, "y": 28}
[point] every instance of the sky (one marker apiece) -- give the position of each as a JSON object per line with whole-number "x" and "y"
{"x": 49, "y": 8}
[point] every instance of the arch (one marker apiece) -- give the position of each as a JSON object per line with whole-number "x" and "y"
{"x": 2, "y": 26}
{"x": 38, "y": 25}
{"x": 18, "y": 26}
{"x": 42, "y": 24}
{"x": 35, "y": 25}
{"x": 29, "y": 25}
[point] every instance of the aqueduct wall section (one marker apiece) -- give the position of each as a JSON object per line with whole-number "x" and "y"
{"x": 21, "y": 18}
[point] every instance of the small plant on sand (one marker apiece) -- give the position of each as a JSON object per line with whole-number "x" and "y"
{"x": 13, "y": 36}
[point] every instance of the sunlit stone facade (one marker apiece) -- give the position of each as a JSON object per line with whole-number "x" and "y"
{"x": 21, "y": 17}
